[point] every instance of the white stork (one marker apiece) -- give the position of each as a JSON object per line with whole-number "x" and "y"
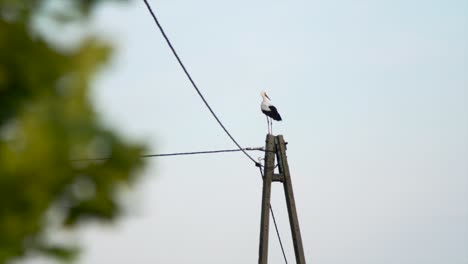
{"x": 270, "y": 111}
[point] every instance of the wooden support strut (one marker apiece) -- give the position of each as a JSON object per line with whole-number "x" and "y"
{"x": 290, "y": 202}
{"x": 270, "y": 150}
{"x": 276, "y": 146}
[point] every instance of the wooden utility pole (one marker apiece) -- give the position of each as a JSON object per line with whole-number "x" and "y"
{"x": 275, "y": 146}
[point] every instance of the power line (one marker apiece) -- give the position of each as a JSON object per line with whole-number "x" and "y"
{"x": 278, "y": 234}
{"x": 180, "y": 153}
{"x": 193, "y": 83}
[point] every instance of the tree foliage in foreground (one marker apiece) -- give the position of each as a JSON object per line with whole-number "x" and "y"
{"x": 46, "y": 119}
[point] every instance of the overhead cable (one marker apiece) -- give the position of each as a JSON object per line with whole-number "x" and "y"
{"x": 178, "y": 154}
{"x": 194, "y": 84}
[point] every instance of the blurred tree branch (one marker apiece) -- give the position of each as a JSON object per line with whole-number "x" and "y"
{"x": 46, "y": 119}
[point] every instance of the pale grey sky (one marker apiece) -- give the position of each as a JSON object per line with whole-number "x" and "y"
{"x": 374, "y": 97}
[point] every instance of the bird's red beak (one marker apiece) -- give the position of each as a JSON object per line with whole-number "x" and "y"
{"x": 267, "y": 96}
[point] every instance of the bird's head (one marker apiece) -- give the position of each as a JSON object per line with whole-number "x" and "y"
{"x": 264, "y": 95}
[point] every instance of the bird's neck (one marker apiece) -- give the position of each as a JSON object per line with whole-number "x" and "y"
{"x": 266, "y": 100}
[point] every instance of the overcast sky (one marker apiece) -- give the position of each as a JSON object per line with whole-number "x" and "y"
{"x": 374, "y": 97}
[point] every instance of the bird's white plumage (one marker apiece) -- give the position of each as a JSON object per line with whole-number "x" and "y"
{"x": 269, "y": 110}
{"x": 265, "y": 105}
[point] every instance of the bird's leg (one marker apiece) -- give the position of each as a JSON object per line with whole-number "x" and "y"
{"x": 268, "y": 125}
{"x": 271, "y": 128}
{"x": 271, "y": 125}
{"x": 269, "y": 119}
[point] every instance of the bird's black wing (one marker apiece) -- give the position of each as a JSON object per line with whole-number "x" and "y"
{"x": 274, "y": 113}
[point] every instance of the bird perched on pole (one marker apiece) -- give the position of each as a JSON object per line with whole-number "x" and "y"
{"x": 270, "y": 111}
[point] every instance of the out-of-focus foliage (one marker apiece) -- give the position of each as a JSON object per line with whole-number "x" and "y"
{"x": 46, "y": 120}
